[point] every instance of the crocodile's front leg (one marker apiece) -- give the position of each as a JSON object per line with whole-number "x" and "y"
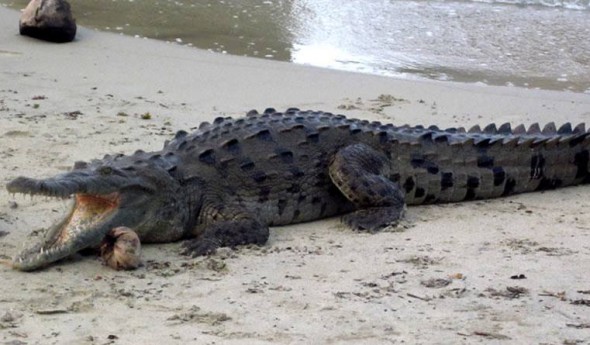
{"x": 360, "y": 173}
{"x": 222, "y": 226}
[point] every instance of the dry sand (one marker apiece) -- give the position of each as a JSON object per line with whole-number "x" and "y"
{"x": 446, "y": 277}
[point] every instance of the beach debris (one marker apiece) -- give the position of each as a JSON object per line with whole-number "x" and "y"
{"x": 195, "y": 314}
{"x": 560, "y": 295}
{"x": 436, "y": 282}
{"x": 17, "y": 134}
{"x": 51, "y": 311}
{"x": 578, "y": 325}
{"x": 10, "y": 319}
{"x": 491, "y": 335}
{"x": 585, "y": 302}
{"x": 457, "y": 275}
{"x": 511, "y": 292}
{"x": 216, "y": 265}
{"x": 48, "y": 20}
{"x": 121, "y": 249}
{"x": 73, "y": 115}
{"x": 422, "y": 298}
{"x": 146, "y": 116}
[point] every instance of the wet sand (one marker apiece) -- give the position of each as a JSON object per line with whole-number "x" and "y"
{"x": 528, "y": 43}
{"x": 512, "y": 269}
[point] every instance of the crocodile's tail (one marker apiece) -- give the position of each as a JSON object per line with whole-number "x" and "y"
{"x": 545, "y": 159}
{"x": 498, "y": 161}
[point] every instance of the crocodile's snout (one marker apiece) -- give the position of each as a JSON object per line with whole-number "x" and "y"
{"x": 84, "y": 226}
{"x": 132, "y": 191}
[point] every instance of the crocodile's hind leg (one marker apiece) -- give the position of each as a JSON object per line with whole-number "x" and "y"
{"x": 223, "y": 227}
{"x": 360, "y": 173}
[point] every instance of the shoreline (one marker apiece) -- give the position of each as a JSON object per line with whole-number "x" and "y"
{"x": 446, "y": 275}
{"x": 493, "y": 61}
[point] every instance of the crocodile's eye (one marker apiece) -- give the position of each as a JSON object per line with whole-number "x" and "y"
{"x": 105, "y": 171}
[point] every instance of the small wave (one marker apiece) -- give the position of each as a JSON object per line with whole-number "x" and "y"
{"x": 566, "y": 4}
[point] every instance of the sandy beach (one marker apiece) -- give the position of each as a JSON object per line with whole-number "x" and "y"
{"x": 512, "y": 270}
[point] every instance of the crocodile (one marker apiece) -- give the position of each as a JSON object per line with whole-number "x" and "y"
{"x": 226, "y": 183}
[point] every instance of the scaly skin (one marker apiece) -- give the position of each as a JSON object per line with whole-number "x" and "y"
{"x": 226, "y": 183}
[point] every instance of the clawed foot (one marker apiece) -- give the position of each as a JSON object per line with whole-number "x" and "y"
{"x": 226, "y": 234}
{"x": 199, "y": 247}
{"x": 373, "y": 219}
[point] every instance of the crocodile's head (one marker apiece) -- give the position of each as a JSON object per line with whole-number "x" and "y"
{"x": 132, "y": 191}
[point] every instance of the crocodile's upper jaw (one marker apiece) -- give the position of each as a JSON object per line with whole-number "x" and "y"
{"x": 132, "y": 191}
{"x": 86, "y": 225}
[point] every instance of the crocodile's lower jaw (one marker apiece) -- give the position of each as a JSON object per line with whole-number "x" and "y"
{"x": 83, "y": 227}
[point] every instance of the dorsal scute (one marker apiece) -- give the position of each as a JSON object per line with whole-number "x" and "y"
{"x": 452, "y": 130}
{"x": 490, "y": 129}
{"x": 254, "y": 125}
{"x": 518, "y": 130}
{"x": 505, "y": 129}
{"x": 218, "y": 120}
{"x": 534, "y": 129}
{"x": 549, "y": 129}
{"x": 180, "y": 134}
{"x": 474, "y": 129}
{"x": 565, "y": 129}
{"x": 580, "y": 128}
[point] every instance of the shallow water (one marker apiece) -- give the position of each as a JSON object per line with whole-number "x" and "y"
{"x": 532, "y": 43}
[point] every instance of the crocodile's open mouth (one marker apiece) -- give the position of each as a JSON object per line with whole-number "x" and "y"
{"x": 86, "y": 225}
